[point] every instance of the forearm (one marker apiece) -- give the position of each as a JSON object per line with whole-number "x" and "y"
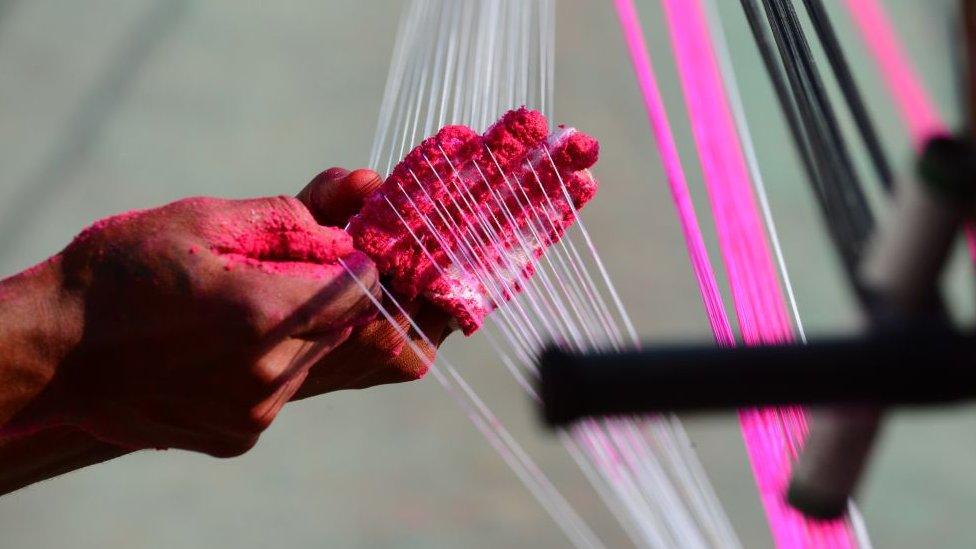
{"x": 177, "y": 327}
{"x": 39, "y": 323}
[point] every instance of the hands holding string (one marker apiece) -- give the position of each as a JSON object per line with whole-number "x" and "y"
{"x": 140, "y": 334}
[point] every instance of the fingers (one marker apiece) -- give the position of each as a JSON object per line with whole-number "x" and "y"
{"x": 310, "y": 307}
{"x": 225, "y": 425}
{"x": 378, "y": 354}
{"x": 290, "y": 276}
{"x": 335, "y": 195}
{"x": 434, "y": 324}
{"x": 281, "y": 372}
{"x": 287, "y": 360}
{"x": 272, "y": 307}
{"x": 406, "y": 361}
{"x": 157, "y": 426}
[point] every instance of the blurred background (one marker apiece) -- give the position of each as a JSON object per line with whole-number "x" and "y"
{"x": 108, "y": 105}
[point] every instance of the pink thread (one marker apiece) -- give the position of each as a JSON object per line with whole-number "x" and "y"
{"x": 661, "y": 127}
{"x": 914, "y": 103}
{"x": 511, "y": 179}
{"x": 772, "y": 436}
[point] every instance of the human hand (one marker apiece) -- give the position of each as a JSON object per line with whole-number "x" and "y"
{"x": 375, "y": 353}
{"x": 189, "y": 318}
{"x": 50, "y": 302}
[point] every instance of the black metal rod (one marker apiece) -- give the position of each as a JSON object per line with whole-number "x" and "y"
{"x": 913, "y": 367}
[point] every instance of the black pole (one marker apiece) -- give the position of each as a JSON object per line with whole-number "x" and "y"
{"x": 913, "y": 367}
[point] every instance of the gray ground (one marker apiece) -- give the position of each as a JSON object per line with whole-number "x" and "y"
{"x": 108, "y": 105}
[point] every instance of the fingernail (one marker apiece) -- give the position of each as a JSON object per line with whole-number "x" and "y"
{"x": 333, "y": 174}
{"x": 361, "y": 183}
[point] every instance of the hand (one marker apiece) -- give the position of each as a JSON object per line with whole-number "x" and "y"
{"x": 376, "y": 353}
{"x": 43, "y": 312}
{"x": 190, "y": 316}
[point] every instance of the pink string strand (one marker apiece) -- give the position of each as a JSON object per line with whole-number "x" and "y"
{"x": 772, "y": 436}
{"x": 915, "y": 105}
{"x": 660, "y": 126}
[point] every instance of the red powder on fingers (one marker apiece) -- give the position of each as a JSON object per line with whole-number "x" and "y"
{"x": 271, "y": 235}
{"x": 277, "y": 242}
{"x": 462, "y": 218}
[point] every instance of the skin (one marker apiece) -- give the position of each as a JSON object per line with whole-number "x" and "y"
{"x": 142, "y": 333}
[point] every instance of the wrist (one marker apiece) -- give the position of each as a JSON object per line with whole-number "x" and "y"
{"x": 41, "y": 323}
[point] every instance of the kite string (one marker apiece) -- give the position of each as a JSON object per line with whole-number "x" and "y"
{"x": 613, "y": 442}
{"x": 643, "y": 469}
{"x": 789, "y": 421}
{"x": 707, "y": 93}
{"x": 562, "y": 302}
{"x": 759, "y": 305}
{"x": 737, "y": 223}
{"x": 916, "y": 107}
{"x": 677, "y": 183}
{"x": 409, "y": 104}
{"x": 738, "y": 111}
{"x": 486, "y": 422}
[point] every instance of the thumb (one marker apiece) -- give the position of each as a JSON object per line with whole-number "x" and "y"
{"x": 335, "y": 195}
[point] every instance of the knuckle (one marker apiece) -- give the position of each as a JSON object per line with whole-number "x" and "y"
{"x": 192, "y": 213}
{"x": 252, "y": 321}
{"x": 291, "y": 206}
{"x": 363, "y": 266}
{"x": 230, "y": 447}
{"x": 250, "y": 419}
{"x": 364, "y": 270}
{"x": 192, "y": 204}
{"x": 267, "y": 374}
{"x": 259, "y": 419}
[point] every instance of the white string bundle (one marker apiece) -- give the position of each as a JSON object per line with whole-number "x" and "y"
{"x": 467, "y": 62}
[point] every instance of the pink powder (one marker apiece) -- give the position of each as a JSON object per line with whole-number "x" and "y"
{"x": 271, "y": 239}
{"x": 277, "y": 242}
{"x": 483, "y": 208}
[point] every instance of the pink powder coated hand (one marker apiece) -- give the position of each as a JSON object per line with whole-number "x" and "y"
{"x": 463, "y": 217}
{"x": 178, "y": 327}
{"x": 375, "y": 353}
{"x": 155, "y": 329}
